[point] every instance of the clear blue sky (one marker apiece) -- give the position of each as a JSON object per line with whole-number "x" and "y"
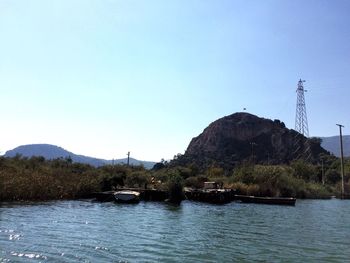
{"x": 102, "y": 78}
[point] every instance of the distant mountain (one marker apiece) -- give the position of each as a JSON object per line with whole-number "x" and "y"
{"x": 332, "y": 145}
{"x": 49, "y": 152}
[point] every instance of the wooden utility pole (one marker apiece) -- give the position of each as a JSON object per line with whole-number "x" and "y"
{"x": 252, "y": 144}
{"x": 341, "y": 160}
{"x": 322, "y": 171}
{"x": 128, "y": 158}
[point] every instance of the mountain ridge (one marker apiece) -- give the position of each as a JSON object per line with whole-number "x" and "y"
{"x": 49, "y": 152}
{"x": 332, "y": 144}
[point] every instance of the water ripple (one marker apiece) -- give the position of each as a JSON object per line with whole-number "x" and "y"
{"x": 82, "y": 231}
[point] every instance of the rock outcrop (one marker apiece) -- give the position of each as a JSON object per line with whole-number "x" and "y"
{"x": 244, "y": 137}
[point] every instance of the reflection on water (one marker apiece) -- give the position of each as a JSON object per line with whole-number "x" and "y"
{"x": 84, "y": 231}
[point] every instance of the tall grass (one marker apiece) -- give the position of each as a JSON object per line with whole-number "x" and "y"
{"x": 276, "y": 181}
{"x": 38, "y": 179}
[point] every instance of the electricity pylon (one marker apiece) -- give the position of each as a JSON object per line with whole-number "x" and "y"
{"x": 301, "y": 124}
{"x": 301, "y": 144}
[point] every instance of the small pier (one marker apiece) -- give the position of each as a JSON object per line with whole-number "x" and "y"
{"x": 207, "y": 195}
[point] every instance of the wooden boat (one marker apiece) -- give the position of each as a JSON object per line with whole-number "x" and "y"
{"x": 127, "y": 196}
{"x": 266, "y": 200}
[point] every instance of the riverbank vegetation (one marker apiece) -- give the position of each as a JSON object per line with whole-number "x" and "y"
{"x": 39, "y": 179}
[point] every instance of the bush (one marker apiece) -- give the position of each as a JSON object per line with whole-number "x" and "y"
{"x": 138, "y": 179}
{"x": 304, "y": 170}
{"x": 316, "y": 191}
{"x": 215, "y": 172}
{"x": 195, "y": 181}
{"x": 243, "y": 174}
{"x": 175, "y": 188}
{"x": 109, "y": 182}
{"x": 276, "y": 181}
{"x": 241, "y": 188}
{"x": 253, "y": 189}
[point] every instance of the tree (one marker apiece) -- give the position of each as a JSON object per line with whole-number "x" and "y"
{"x": 69, "y": 160}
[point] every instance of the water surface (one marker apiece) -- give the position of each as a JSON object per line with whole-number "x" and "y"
{"x": 85, "y": 231}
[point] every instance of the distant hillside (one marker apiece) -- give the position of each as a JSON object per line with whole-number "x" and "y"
{"x": 49, "y": 152}
{"x": 332, "y": 145}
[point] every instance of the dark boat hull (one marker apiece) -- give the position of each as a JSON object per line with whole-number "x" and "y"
{"x": 210, "y": 196}
{"x": 107, "y": 196}
{"x": 266, "y": 200}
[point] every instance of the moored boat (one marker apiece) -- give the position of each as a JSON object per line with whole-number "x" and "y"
{"x": 127, "y": 196}
{"x": 266, "y": 200}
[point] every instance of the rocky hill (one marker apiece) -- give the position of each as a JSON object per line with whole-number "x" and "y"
{"x": 49, "y": 152}
{"x": 245, "y": 137}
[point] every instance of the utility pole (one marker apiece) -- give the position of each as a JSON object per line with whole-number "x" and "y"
{"x": 128, "y": 158}
{"x": 252, "y": 144}
{"x": 268, "y": 158}
{"x": 322, "y": 171}
{"x": 341, "y": 160}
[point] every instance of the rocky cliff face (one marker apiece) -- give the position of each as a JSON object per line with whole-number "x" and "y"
{"x": 246, "y": 137}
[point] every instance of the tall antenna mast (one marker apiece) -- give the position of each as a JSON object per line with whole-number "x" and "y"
{"x": 301, "y": 124}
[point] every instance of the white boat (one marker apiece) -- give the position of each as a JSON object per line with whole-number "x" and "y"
{"x": 127, "y": 196}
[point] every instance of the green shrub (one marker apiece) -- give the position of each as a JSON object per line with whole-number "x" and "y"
{"x": 138, "y": 179}
{"x": 175, "y": 188}
{"x": 304, "y": 170}
{"x": 195, "y": 181}
{"x": 241, "y": 188}
{"x": 253, "y": 189}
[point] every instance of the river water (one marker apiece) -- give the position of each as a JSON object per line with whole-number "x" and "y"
{"x": 86, "y": 231}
